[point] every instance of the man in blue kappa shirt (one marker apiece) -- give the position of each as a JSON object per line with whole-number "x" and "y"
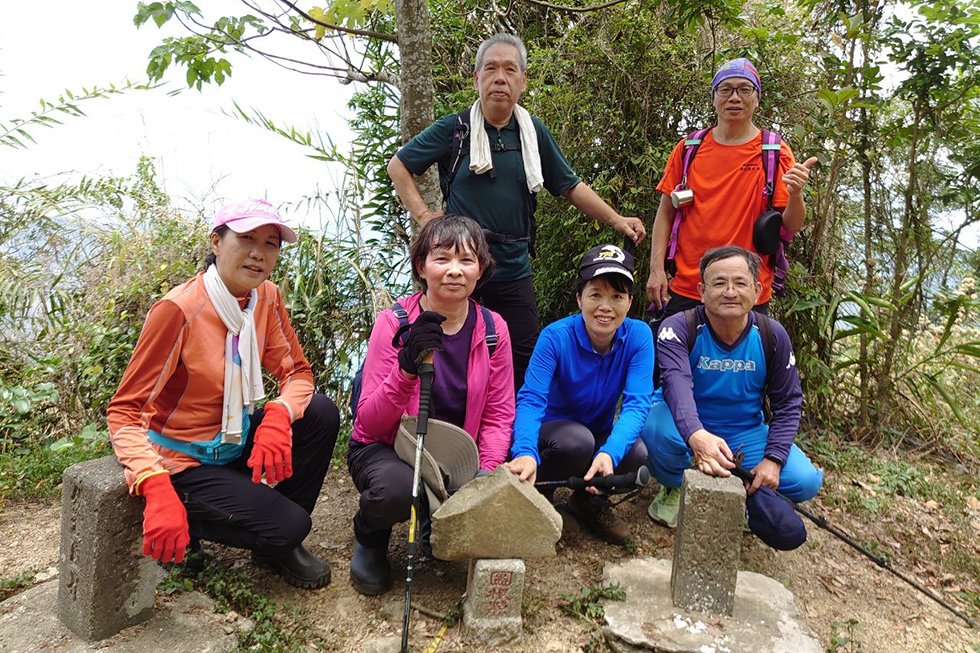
{"x": 710, "y": 399}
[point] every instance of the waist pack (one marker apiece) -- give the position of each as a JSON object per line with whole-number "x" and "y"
{"x": 207, "y": 452}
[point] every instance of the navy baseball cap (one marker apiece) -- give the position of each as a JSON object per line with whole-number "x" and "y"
{"x": 773, "y": 520}
{"x": 606, "y": 259}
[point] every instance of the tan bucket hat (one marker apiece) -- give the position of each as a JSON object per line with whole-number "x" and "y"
{"x": 449, "y": 459}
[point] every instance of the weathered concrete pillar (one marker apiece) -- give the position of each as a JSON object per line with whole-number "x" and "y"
{"x": 105, "y": 583}
{"x": 494, "y": 593}
{"x": 708, "y": 543}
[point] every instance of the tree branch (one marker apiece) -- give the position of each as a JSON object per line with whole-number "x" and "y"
{"x": 350, "y": 73}
{"x": 580, "y": 10}
{"x": 371, "y": 34}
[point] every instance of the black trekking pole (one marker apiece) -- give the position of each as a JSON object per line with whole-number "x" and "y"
{"x": 426, "y": 374}
{"x": 822, "y": 522}
{"x": 611, "y": 484}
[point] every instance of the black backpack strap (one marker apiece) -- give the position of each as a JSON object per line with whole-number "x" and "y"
{"x": 691, "y": 322}
{"x": 764, "y": 322}
{"x": 490, "y": 337}
{"x": 401, "y": 335}
{"x": 403, "y": 322}
{"x": 768, "y": 335}
{"x": 461, "y": 137}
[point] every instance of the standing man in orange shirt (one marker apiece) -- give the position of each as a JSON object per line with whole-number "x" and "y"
{"x": 727, "y": 179}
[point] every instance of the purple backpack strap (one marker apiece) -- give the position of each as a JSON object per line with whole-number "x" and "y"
{"x": 770, "y": 164}
{"x": 691, "y": 145}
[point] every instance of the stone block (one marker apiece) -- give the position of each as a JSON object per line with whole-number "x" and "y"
{"x": 496, "y": 516}
{"x": 494, "y": 594}
{"x": 105, "y": 583}
{"x": 766, "y": 617}
{"x": 708, "y": 543}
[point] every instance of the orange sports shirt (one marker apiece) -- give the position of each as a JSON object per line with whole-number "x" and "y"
{"x": 727, "y": 181}
{"x": 174, "y": 383}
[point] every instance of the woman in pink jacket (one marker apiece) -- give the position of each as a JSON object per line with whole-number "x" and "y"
{"x": 473, "y": 386}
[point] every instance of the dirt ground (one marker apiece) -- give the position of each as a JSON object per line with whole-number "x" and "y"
{"x": 832, "y": 583}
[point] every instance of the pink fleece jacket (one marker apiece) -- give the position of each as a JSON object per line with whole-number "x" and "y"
{"x": 387, "y": 394}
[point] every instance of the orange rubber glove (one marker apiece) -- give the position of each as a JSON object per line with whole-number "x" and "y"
{"x": 165, "y": 531}
{"x": 272, "y": 452}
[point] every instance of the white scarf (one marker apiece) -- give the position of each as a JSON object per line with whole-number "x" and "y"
{"x": 480, "y": 160}
{"x": 243, "y": 379}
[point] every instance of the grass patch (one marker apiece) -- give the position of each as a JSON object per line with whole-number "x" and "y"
{"x": 35, "y": 472}
{"x": 832, "y": 455}
{"x": 278, "y": 628}
{"x": 14, "y": 584}
{"x": 585, "y": 606}
{"x": 902, "y": 478}
{"x": 844, "y": 637}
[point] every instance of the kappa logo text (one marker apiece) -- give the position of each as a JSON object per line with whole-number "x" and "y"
{"x": 726, "y": 365}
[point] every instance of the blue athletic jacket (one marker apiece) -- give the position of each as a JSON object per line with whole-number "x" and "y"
{"x": 567, "y": 379}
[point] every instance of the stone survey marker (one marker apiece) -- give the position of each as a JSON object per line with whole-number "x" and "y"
{"x": 494, "y": 522}
{"x": 700, "y": 602}
{"x": 484, "y": 518}
{"x": 105, "y": 583}
{"x": 766, "y": 618}
{"x": 494, "y": 592}
{"x": 708, "y": 543}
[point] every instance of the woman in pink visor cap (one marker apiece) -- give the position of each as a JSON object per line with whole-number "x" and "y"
{"x": 186, "y": 422}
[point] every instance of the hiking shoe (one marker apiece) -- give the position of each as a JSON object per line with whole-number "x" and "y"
{"x": 298, "y": 567}
{"x": 370, "y": 571}
{"x": 195, "y": 559}
{"x": 596, "y": 514}
{"x": 665, "y": 506}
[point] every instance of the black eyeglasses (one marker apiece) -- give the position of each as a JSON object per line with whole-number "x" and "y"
{"x": 743, "y": 91}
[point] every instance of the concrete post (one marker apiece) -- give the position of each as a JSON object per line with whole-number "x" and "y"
{"x": 105, "y": 583}
{"x": 708, "y": 543}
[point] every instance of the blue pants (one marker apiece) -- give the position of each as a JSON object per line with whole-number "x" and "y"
{"x": 799, "y": 480}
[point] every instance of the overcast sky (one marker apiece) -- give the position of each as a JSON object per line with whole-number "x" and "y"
{"x": 202, "y": 155}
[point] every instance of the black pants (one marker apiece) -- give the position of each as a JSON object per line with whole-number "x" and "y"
{"x": 515, "y": 302}
{"x": 385, "y": 483}
{"x": 567, "y": 449}
{"x": 225, "y": 506}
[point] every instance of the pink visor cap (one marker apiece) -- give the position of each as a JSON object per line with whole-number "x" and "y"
{"x": 242, "y": 217}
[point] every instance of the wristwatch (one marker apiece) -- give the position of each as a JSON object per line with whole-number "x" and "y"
{"x": 774, "y": 459}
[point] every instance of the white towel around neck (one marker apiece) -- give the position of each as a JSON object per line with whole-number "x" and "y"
{"x": 480, "y": 160}
{"x": 243, "y": 385}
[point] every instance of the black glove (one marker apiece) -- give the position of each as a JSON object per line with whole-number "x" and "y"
{"x": 424, "y": 335}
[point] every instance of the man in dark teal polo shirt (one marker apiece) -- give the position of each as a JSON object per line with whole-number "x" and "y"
{"x": 498, "y": 193}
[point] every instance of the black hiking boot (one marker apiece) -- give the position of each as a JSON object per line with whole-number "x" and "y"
{"x": 195, "y": 558}
{"x": 370, "y": 571}
{"x": 298, "y": 567}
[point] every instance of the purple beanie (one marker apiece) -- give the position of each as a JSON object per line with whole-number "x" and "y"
{"x": 741, "y": 67}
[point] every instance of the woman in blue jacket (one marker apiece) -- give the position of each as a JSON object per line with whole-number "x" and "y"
{"x": 582, "y": 365}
